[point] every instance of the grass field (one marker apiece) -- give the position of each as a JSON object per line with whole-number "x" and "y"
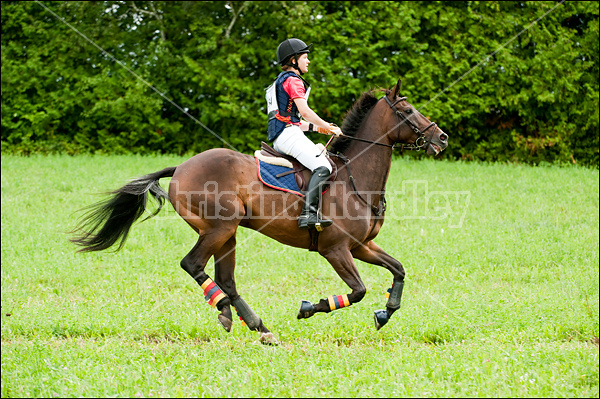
{"x": 501, "y": 295}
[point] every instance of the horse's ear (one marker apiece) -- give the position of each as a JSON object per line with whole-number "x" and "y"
{"x": 397, "y": 88}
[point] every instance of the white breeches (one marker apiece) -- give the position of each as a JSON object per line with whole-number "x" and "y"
{"x": 293, "y": 142}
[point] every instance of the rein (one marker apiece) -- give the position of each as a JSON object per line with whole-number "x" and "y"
{"x": 366, "y": 141}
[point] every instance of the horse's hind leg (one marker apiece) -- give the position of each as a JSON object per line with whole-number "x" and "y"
{"x": 224, "y": 277}
{"x": 195, "y": 261}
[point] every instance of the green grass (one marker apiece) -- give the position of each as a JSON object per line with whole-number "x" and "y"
{"x": 501, "y": 295}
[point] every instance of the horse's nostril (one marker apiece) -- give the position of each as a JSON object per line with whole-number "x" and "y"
{"x": 443, "y": 137}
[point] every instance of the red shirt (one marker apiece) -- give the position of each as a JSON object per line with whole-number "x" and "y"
{"x": 294, "y": 87}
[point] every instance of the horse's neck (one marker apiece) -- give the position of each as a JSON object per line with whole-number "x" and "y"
{"x": 370, "y": 163}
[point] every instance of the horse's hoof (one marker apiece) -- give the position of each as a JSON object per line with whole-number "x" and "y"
{"x": 381, "y": 318}
{"x": 225, "y": 322}
{"x": 307, "y": 309}
{"x": 268, "y": 339}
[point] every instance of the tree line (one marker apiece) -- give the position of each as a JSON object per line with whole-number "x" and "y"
{"x": 503, "y": 86}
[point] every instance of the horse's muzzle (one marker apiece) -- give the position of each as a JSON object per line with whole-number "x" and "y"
{"x": 438, "y": 143}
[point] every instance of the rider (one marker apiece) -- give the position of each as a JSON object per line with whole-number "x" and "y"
{"x": 286, "y": 128}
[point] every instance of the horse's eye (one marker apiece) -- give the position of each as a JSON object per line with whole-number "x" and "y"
{"x": 408, "y": 110}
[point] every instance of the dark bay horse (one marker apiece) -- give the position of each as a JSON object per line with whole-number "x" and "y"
{"x": 217, "y": 191}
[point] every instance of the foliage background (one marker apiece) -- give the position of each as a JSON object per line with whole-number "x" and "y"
{"x": 536, "y": 100}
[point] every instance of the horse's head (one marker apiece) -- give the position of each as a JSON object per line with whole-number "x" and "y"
{"x": 410, "y": 128}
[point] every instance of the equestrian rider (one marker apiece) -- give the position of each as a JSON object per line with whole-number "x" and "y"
{"x": 287, "y": 101}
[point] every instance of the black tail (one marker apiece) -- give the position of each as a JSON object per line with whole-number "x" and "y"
{"x": 109, "y": 221}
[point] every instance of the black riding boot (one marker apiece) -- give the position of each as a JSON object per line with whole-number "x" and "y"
{"x": 310, "y": 217}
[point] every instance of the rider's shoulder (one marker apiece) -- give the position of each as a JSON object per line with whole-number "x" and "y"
{"x": 285, "y": 75}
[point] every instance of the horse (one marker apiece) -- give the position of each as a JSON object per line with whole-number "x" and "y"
{"x": 217, "y": 190}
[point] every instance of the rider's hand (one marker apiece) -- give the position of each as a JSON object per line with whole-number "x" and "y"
{"x": 336, "y": 131}
{"x": 323, "y": 130}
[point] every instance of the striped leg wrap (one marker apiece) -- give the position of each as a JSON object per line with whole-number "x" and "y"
{"x": 212, "y": 292}
{"x": 389, "y": 291}
{"x": 240, "y": 317}
{"x": 338, "y": 301}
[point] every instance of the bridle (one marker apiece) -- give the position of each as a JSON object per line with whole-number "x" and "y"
{"x": 420, "y": 143}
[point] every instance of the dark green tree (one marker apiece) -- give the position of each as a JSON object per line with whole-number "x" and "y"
{"x": 503, "y": 88}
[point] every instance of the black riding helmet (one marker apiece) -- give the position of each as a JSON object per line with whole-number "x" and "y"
{"x": 289, "y": 48}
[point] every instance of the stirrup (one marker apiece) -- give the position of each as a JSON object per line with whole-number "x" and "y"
{"x": 321, "y": 224}
{"x": 311, "y": 221}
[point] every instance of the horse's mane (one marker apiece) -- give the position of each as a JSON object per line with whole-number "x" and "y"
{"x": 354, "y": 119}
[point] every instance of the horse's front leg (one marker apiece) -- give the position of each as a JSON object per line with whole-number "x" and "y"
{"x": 341, "y": 260}
{"x": 373, "y": 254}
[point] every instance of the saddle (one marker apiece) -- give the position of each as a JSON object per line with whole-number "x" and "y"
{"x": 302, "y": 175}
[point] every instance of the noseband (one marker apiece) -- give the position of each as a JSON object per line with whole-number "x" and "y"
{"x": 420, "y": 143}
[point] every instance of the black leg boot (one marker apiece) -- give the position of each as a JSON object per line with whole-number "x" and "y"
{"x": 310, "y": 217}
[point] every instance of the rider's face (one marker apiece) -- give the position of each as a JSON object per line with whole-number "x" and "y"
{"x": 303, "y": 63}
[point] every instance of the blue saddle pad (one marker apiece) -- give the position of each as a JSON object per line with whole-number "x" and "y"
{"x": 267, "y": 173}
